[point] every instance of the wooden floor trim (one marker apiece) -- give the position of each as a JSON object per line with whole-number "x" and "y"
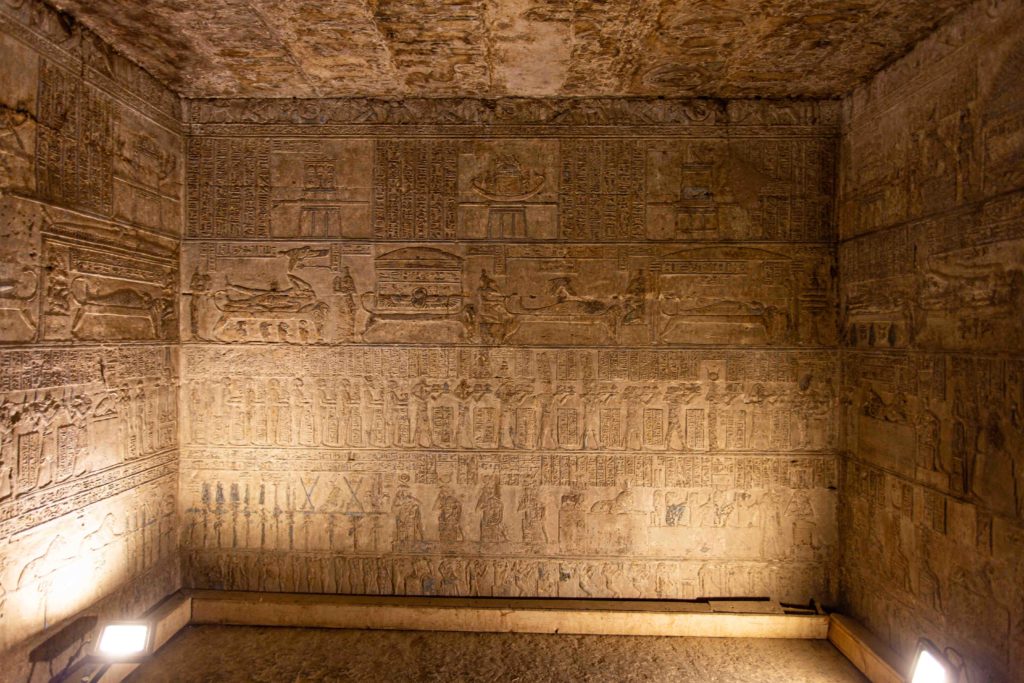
{"x": 585, "y": 617}
{"x": 870, "y": 655}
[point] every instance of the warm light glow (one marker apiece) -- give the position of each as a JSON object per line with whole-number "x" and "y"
{"x": 123, "y": 640}
{"x": 929, "y": 669}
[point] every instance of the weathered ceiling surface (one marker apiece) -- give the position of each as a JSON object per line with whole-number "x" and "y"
{"x": 321, "y": 48}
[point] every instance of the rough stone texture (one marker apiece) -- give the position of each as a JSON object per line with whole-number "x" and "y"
{"x": 403, "y": 48}
{"x": 516, "y": 346}
{"x": 275, "y": 654}
{"x": 501, "y": 358}
{"x": 932, "y": 272}
{"x": 90, "y": 212}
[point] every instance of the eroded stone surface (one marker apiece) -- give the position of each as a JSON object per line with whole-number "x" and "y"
{"x": 722, "y": 48}
{"x": 90, "y": 214}
{"x": 489, "y": 357}
{"x": 275, "y": 654}
{"x": 932, "y": 273}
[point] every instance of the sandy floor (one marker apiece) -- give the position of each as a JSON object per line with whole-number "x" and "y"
{"x": 208, "y": 654}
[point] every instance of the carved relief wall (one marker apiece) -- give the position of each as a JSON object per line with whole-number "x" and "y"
{"x": 90, "y": 213}
{"x": 932, "y": 278}
{"x": 515, "y": 347}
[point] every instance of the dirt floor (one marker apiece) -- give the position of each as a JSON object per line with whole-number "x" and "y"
{"x": 208, "y": 654}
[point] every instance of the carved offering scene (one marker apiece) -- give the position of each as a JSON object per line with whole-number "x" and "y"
{"x": 507, "y": 294}
{"x": 583, "y": 320}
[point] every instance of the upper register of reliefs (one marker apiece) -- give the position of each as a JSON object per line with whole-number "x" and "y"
{"x": 722, "y": 48}
{"x": 512, "y": 238}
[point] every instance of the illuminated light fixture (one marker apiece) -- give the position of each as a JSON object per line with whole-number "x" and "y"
{"x": 930, "y": 665}
{"x": 124, "y": 641}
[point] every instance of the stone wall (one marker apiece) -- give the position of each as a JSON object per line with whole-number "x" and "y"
{"x": 932, "y": 286}
{"x": 513, "y": 347}
{"x": 90, "y": 213}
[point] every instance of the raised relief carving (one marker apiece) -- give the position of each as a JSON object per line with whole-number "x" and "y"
{"x": 432, "y": 348}
{"x": 74, "y": 142}
{"x": 89, "y": 229}
{"x": 19, "y": 272}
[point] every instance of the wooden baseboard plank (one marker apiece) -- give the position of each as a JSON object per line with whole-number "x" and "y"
{"x": 497, "y": 616}
{"x": 868, "y": 653}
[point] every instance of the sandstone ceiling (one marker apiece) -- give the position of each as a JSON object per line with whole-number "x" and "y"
{"x": 322, "y": 48}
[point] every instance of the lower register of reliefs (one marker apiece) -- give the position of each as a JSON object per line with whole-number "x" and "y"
{"x": 522, "y": 472}
{"x": 88, "y": 477}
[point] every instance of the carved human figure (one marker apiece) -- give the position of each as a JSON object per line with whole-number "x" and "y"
{"x": 201, "y": 306}
{"x": 928, "y": 438}
{"x": 494, "y": 322}
{"x": 492, "y": 513}
{"x": 344, "y": 288}
{"x": 8, "y": 455}
{"x": 422, "y": 434}
{"x": 449, "y": 516}
{"x": 773, "y": 541}
{"x": 408, "y": 521}
{"x": 635, "y": 299}
{"x": 534, "y": 514}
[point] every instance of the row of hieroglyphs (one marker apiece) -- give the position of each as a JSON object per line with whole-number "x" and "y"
{"x": 286, "y": 571}
{"x": 77, "y": 424}
{"x": 578, "y": 189}
{"x": 508, "y": 293}
{"x": 531, "y": 399}
{"x": 724, "y": 508}
{"x": 217, "y": 116}
{"x": 71, "y": 143}
{"x": 953, "y": 281}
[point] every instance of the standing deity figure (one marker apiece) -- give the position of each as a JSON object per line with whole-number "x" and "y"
{"x": 449, "y": 516}
{"x": 408, "y": 522}
{"x": 533, "y": 518}
{"x": 344, "y": 296}
{"x": 492, "y": 512}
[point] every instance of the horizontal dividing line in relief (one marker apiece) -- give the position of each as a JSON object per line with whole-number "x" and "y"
{"x": 824, "y": 244}
{"x": 31, "y": 501}
{"x": 91, "y": 215}
{"x": 965, "y": 208}
{"x": 54, "y": 509}
{"x": 577, "y": 347}
{"x": 389, "y": 555}
{"x": 845, "y": 352}
{"x": 482, "y": 452}
{"x": 526, "y": 130}
{"x": 963, "y": 499}
{"x": 138, "y": 186}
{"x": 56, "y": 345}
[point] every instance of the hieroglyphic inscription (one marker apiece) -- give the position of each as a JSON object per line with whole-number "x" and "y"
{"x": 89, "y": 229}
{"x": 505, "y": 365}
{"x": 228, "y": 187}
{"x": 932, "y": 278}
{"x": 601, "y": 191}
{"x": 74, "y": 142}
{"x": 414, "y": 189}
